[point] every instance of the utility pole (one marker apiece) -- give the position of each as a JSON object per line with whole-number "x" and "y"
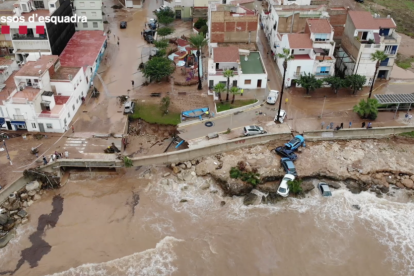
{"x": 8, "y": 156}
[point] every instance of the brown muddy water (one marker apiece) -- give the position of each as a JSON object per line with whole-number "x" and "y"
{"x": 130, "y": 225}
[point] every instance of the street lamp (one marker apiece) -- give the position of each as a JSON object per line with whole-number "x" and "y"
{"x": 7, "y": 152}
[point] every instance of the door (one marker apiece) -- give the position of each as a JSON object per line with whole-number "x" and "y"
{"x": 234, "y": 83}
{"x": 211, "y": 84}
{"x": 297, "y": 74}
{"x": 178, "y": 14}
{"x": 9, "y": 126}
{"x": 259, "y": 83}
{"x": 41, "y": 127}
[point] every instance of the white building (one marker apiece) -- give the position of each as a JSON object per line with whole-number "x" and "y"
{"x": 363, "y": 35}
{"x": 313, "y": 51}
{"x": 290, "y": 2}
{"x": 92, "y": 9}
{"x": 182, "y": 8}
{"x": 47, "y": 96}
{"x": 248, "y": 68}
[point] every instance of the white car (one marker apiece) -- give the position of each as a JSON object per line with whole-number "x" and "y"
{"x": 253, "y": 130}
{"x": 283, "y": 189}
{"x": 282, "y": 116}
{"x": 272, "y": 97}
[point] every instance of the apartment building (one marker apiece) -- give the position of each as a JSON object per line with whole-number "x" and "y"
{"x": 92, "y": 9}
{"x": 183, "y": 8}
{"x": 46, "y": 96}
{"x": 313, "y": 51}
{"x": 363, "y": 35}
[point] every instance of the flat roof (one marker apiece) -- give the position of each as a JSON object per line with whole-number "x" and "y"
{"x": 5, "y": 61}
{"x": 82, "y": 49}
{"x": 39, "y": 12}
{"x": 365, "y": 21}
{"x": 226, "y": 54}
{"x": 63, "y": 73}
{"x": 253, "y": 65}
{"x": 32, "y": 68}
{"x": 395, "y": 98}
{"x": 7, "y": 5}
{"x": 300, "y": 41}
{"x": 28, "y": 93}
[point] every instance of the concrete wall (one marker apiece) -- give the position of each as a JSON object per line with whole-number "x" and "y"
{"x": 355, "y": 133}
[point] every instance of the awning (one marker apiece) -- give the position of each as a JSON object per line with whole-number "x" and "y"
{"x": 395, "y": 98}
{"x": 18, "y": 122}
{"x": 2, "y": 121}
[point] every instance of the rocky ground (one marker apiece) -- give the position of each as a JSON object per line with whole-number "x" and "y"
{"x": 375, "y": 165}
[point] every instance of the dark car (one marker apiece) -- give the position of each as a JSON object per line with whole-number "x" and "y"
{"x": 288, "y": 165}
{"x": 284, "y": 152}
{"x": 152, "y": 26}
{"x": 123, "y": 25}
{"x": 360, "y": 1}
{"x": 149, "y": 38}
{"x": 149, "y": 32}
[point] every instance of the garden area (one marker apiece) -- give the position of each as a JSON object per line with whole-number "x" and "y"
{"x": 238, "y": 103}
{"x": 156, "y": 114}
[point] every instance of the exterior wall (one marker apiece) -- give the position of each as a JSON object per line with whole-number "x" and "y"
{"x": 92, "y": 9}
{"x": 296, "y": 2}
{"x": 6, "y": 45}
{"x": 224, "y": 27}
{"x": 181, "y": 6}
{"x": 254, "y": 78}
{"x": 337, "y": 19}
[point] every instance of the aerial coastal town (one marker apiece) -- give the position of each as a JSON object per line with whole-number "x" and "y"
{"x": 175, "y": 90}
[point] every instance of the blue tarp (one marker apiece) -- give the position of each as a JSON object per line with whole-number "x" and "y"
{"x": 18, "y": 122}
{"x": 2, "y": 121}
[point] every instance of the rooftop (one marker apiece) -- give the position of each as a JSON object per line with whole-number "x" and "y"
{"x": 64, "y": 72}
{"x": 319, "y": 26}
{"x": 39, "y": 12}
{"x": 6, "y": 6}
{"x": 37, "y": 68}
{"x": 365, "y": 21}
{"x": 60, "y": 100}
{"x": 253, "y": 64}
{"x": 82, "y": 49}
{"x": 5, "y": 61}
{"x": 300, "y": 41}
{"x": 26, "y": 94}
{"x": 226, "y": 54}
{"x": 395, "y": 98}
{"x": 56, "y": 110}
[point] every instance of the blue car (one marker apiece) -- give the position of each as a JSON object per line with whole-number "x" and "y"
{"x": 288, "y": 165}
{"x": 284, "y": 152}
{"x": 295, "y": 143}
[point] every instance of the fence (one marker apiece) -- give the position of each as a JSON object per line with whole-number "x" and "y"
{"x": 355, "y": 133}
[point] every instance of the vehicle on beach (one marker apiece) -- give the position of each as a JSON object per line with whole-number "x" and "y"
{"x": 272, "y": 97}
{"x": 284, "y": 152}
{"x": 282, "y": 116}
{"x": 288, "y": 166}
{"x": 324, "y": 189}
{"x": 253, "y": 130}
{"x": 295, "y": 143}
{"x": 129, "y": 107}
{"x": 283, "y": 189}
{"x": 123, "y": 25}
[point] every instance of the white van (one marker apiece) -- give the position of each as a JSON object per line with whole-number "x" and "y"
{"x": 272, "y": 97}
{"x": 282, "y": 116}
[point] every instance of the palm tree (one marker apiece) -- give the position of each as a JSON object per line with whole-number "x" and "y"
{"x": 286, "y": 56}
{"x": 198, "y": 41}
{"x": 378, "y": 56}
{"x": 220, "y": 88}
{"x": 309, "y": 82}
{"x": 367, "y": 109}
{"x": 228, "y": 74}
{"x": 335, "y": 83}
{"x": 235, "y": 91}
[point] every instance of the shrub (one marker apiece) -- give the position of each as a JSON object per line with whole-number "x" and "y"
{"x": 204, "y": 30}
{"x": 235, "y": 173}
{"x": 127, "y": 162}
{"x": 200, "y": 23}
{"x": 295, "y": 186}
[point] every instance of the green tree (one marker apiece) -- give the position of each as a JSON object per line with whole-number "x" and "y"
{"x": 355, "y": 82}
{"x": 198, "y": 41}
{"x": 220, "y": 88}
{"x": 286, "y": 56}
{"x": 161, "y": 44}
{"x": 367, "y": 109}
{"x": 309, "y": 82}
{"x": 158, "y": 68}
{"x": 378, "y": 56}
{"x": 204, "y": 30}
{"x": 336, "y": 83}
{"x": 200, "y": 23}
{"x": 228, "y": 74}
{"x": 164, "y": 31}
{"x": 165, "y": 20}
{"x": 165, "y": 13}
{"x": 295, "y": 186}
{"x": 165, "y": 104}
{"x": 235, "y": 91}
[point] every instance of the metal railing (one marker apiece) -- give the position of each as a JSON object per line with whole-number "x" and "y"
{"x": 29, "y": 37}
{"x": 19, "y": 117}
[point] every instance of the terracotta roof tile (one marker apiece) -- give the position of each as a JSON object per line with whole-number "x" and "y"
{"x": 226, "y": 54}
{"x": 300, "y": 41}
{"x": 364, "y": 20}
{"x": 385, "y": 23}
{"x": 319, "y": 26}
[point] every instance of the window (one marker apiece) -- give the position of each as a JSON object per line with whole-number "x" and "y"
{"x": 85, "y": 25}
{"x": 49, "y": 126}
{"x": 64, "y": 121}
{"x": 68, "y": 114}
{"x": 33, "y": 125}
{"x": 73, "y": 107}
{"x": 247, "y": 81}
{"x": 83, "y": 13}
{"x": 321, "y": 37}
{"x": 82, "y": 4}
{"x": 52, "y": 5}
{"x": 77, "y": 100}
{"x": 94, "y": 14}
{"x": 322, "y": 71}
{"x": 92, "y": 4}
{"x": 301, "y": 49}
{"x": 39, "y": 5}
{"x": 95, "y": 24}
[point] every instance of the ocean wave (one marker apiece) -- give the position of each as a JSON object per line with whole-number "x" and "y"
{"x": 14, "y": 247}
{"x": 155, "y": 261}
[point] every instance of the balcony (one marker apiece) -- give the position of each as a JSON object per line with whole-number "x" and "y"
{"x": 319, "y": 74}
{"x": 384, "y": 63}
{"x": 29, "y": 37}
{"x": 19, "y": 118}
{"x": 394, "y": 38}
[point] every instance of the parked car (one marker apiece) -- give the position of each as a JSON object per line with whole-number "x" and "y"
{"x": 149, "y": 39}
{"x": 129, "y": 107}
{"x": 272, "y": 97}
{"x": 123, "y": 25}
{"x": 282, "y": 151}
{"x": 152, "y": 26}
{"x": 253, "y": 130}
{"x": 295, "y": 143}
{"x": 283, "y": 189}
{"x": 149, "y": 32}
{"x": 324, "y": 189}
{"x": 282, "y": 116}
{"x": 288, "y": 165}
